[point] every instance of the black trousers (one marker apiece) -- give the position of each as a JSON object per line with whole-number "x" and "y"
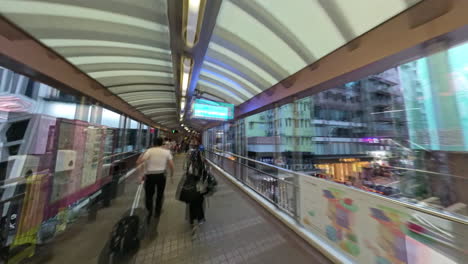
{"x": 154, "y": 182}
{"x": 196, "y": 209}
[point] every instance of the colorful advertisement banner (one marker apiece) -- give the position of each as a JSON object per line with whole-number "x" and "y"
{"x": 369, "y": 229}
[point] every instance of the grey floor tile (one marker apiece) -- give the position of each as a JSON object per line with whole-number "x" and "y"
{"x": 236, "y": 231}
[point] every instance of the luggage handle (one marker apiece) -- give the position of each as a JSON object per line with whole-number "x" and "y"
{"x": 136, "y": 201}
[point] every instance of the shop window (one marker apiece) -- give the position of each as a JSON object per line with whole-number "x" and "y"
{"x": 13, "y": 150}
{"x": 14, "y": 82}
{"x": 3, "y": 170}
{"x": 336, "y": 97}
{"x": 17, "y": 130}
{"x": 29, "y": 91}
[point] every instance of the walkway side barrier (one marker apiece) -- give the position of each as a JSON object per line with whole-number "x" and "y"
{"x": 361, "y": 227}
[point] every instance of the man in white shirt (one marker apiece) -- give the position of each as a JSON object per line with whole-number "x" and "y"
{"x": 156, "y": 160}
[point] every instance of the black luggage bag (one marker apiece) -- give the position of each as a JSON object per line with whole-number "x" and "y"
{"x": 188, "y": 191}
{"x": 128, "y": 232}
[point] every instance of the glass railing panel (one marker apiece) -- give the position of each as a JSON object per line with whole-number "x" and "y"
{"x": 366, "y": 226}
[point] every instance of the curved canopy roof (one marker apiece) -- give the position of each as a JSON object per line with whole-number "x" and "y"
{"x": 258, "y": 43}
{"x": 126, "y": 45}
{"x": 122, "y": 44}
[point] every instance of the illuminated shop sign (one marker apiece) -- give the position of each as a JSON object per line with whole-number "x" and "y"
{"x": 370, "y": 140}
{"x": 350, "y": 160}
{"x": 205, "y": 109}
{"x": 378, "y": 153}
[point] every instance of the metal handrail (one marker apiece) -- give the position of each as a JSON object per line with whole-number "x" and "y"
{"x": 447, "y": 215}
{"x": 430, "y": 172}
{"x": 260, "y": 171}
{"x": 256, "y": 161}
{"x": 122, "y": 153}
{"x": 256, "y": 191}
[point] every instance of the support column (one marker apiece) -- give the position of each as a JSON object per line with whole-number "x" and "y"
{"x": 444, "y": 100}
{"x": 447, "y": 119}
{"x": 96, "y": 114}
{"x": 4, "y": 80}
{"x": 297, "y": 155}
{"x": 123, "y": 132}
{"x": 276, "y": 134}
{"x": 82, "y": 110}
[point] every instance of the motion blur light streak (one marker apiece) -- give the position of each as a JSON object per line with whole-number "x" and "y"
{"x": 186, "y": 72}
{"x": 192, "y": 22}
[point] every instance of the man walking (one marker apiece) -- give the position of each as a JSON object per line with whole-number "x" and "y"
{"x": 156, "y": 160}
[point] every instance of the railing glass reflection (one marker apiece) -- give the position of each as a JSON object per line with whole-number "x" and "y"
{"x": 367, "y": 227}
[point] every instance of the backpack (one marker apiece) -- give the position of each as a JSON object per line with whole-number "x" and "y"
{"x": 188, "y": 191}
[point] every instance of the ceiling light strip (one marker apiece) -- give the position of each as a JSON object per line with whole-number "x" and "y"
{"x": 193, "y": 18}
{"x": 186, "y": 72}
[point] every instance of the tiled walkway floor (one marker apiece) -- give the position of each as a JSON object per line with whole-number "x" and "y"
{"x": 236, "y": 231}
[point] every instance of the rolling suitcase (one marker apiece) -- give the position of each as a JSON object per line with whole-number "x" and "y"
{"x": 128, "y": 232}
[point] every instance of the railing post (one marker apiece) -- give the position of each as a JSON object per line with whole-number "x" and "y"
{"x": 297, "y": 199}
{"x": 222, "y": 160}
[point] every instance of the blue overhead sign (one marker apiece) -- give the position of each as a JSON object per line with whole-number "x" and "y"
{"x": 211, "y": 110}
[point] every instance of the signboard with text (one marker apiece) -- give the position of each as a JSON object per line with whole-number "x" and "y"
{"x": 211, "y": 110}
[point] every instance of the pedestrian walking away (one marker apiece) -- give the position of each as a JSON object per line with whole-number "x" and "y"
{"x": 197, "y": 184}
{"x": 155, "y": 162}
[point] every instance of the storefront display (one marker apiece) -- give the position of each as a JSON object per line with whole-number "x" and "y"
{"x": 32, "y": 211}
{"x": 71, "y": 142}
{"x": 343, "y": 170}
{"x": 52, "y": 160}
{"x": 92, "y": 155}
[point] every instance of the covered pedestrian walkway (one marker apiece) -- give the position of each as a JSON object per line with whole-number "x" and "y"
{"x": 236, "y": 231}
{"x": 336, "y": 129}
